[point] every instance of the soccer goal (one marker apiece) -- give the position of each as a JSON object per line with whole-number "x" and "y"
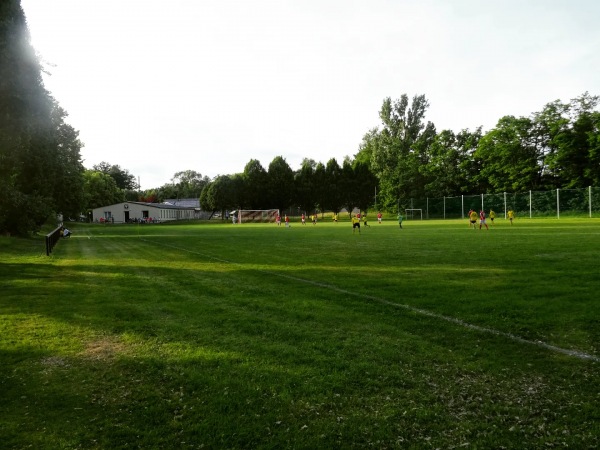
{"x": 257, "y": 215}
{"x": 413, "y": 213}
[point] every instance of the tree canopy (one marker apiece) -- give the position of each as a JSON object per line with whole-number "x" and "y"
{"x": 123, "y": 179}
{"x": 40, "y": 164}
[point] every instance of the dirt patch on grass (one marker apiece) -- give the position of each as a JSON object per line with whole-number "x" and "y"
{"x": 103, "y": 349}
{"x": 52, "y": 362}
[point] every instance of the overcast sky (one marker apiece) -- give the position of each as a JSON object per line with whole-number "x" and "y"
{"x": 161, "y": 86}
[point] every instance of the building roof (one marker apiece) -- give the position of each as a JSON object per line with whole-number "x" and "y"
{"x": 184, "y": 202}
{"x": 161, "y": 205}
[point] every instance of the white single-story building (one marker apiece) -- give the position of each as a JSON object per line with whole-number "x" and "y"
{"x": 126, "y": 212}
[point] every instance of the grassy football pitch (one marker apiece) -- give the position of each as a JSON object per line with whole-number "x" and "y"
{"x": 257, "y": 336}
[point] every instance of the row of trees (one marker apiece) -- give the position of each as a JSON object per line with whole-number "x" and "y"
{"x": 558, "y": 147}
{"x": 184, "y": 184}
{"x": 328, "y": 187}
{"x": 107, "y": 184}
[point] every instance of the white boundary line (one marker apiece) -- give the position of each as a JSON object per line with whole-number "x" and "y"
{"x": 513, "y": 337}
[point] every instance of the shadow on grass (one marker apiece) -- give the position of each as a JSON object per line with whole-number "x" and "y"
{"x": 150, "y": 356}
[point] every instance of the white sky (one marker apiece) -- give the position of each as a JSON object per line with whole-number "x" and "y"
{"x": 161, "y": 86}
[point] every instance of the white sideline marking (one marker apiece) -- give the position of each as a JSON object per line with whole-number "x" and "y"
{"x": 513, "y": 337}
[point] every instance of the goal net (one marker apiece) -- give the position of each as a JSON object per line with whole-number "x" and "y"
{"x": 257, "y": 215}
{"x": 414, "y": 214}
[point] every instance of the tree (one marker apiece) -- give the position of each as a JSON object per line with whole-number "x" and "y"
{"x": 449, "y": 170}
{"x": 333, "y": 195}
{"x": 348, "y": 186}
{"x": 32, "y": 166}
{"x": 467, "y": 143}
{"x": 206, "y": 201}
{"x": 304, "y": 191}
{"x": 573, "y": 135}
{"x": 367, "y": 146}
{"x": 398, "y": 150}
{"x": 166, "y": 191}
{"x": 365, "y": 183}
{"x": 509, "y": 156}
{"x": 550, "y": 123}
{"x": 255, "y": 186}
{"x": 220, "y": 194}
{"x": 189, "y": 183}
{"x": 122, "y": 177}
{"x": 69, "y": 192}
{"x": 320, "y": 186}
{"x": 443, "y": 165}
{"x": 100, "y": 189}
{"x": 593, "y": 171}
{"x": 280, "y": 183}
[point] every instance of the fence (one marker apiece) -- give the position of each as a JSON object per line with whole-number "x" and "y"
{"x": 51, "y": 239}
{"x": 555, "y": 203}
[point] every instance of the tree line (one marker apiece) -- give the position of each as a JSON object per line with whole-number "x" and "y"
{"x": 315, "y": 186}
{"x": 557, "y": 147}
{"x": 405, "y": 157}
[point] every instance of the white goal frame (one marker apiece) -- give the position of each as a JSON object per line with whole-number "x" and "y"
{"x": 257, "y": 215}
{"x": 412, "y": 213}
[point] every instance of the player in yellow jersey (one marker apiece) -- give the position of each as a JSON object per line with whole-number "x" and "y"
{"x": 355, "y": 224}
{"x": 492, "y": 216}
{"x": 473, "y": 219}
{"x": 511, "y": 215}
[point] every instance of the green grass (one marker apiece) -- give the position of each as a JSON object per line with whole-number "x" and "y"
{"x": 253, "y": 336}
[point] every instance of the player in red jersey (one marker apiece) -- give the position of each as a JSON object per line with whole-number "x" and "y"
{"x": 482, "y": 220}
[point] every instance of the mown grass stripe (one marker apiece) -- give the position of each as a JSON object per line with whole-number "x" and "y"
{"x": 454, "y": 320}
